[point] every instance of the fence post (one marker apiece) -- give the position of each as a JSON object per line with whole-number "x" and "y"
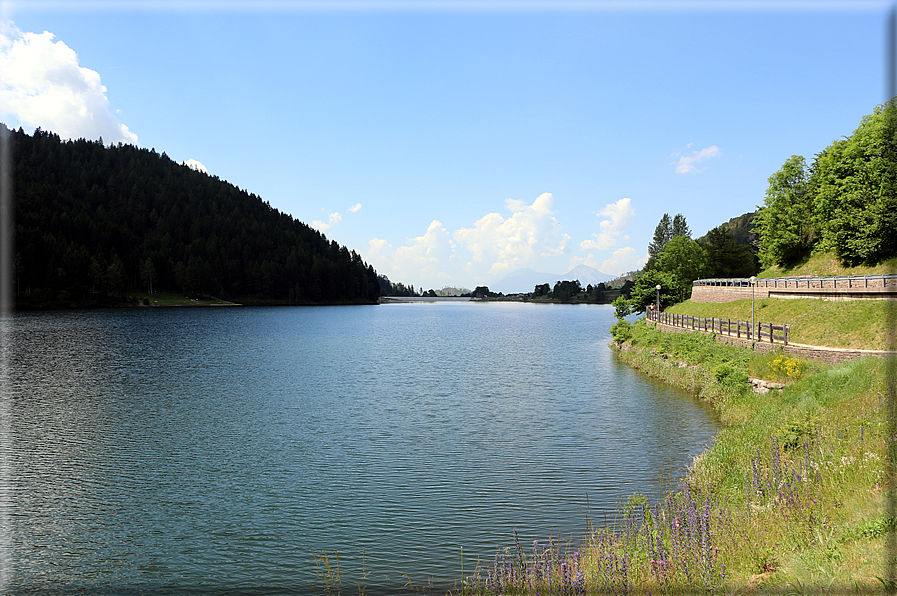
{"x": 786, "y": 333}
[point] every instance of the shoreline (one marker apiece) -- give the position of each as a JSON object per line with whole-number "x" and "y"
{"x": 770, "y": 423}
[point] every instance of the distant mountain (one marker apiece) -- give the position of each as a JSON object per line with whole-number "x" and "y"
{"x": 525, "y": 280}
{"x": 586, "y": 275}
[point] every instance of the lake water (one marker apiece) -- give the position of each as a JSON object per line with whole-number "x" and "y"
{"x": 200, "y": 450}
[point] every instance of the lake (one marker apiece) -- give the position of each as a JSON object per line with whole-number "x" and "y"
{"x": 198, "y": 450}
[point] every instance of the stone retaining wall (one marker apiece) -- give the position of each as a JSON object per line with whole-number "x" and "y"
{"x": 878, "y": 287}
{"x": 725, "y": 293}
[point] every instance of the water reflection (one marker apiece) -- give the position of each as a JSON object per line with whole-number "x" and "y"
{"x": 220, "y": 447}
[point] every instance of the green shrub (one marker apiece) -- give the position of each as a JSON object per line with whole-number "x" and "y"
{"x": 730, "y": 376}
{"x": 621, "y": 330}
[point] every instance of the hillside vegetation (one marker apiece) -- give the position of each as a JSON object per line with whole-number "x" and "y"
{"x": 94, "y": 223}
{"x": 855, "y": 324}
{"x": 826, "y": 264}
{"x": 844, "y": 202}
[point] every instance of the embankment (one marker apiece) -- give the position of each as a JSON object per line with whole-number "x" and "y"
{"x": 794, "y": 488}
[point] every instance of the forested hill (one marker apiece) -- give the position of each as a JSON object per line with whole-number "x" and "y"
{"x": 94, "y": 223}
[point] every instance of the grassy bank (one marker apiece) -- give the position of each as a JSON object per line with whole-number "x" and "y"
{"x": 789, "y": 499}
{"x": 826, "y": 265}
{"x": 861, "y": 324}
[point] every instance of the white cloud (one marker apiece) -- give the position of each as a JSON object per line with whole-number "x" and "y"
{"x": 493, "y": 247}
{"x": 426, "y": 257}
{"x": 589, "y": 261}
{"x": 618, "y": 215}
{"x": 503, "y": 245}
{"x": 195, "y": 165}
{"x": 43, "y": 85}
{"x": 380, "y": 255}
{"x": 623, "y": 260}
{"x": 332, "y": 220}
{"x": 684, "y": 165}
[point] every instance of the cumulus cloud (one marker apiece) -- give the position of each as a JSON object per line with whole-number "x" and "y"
{"x": 355, "y": 208}
{"x": 425, "y": 257}
{"x": 617, "y": 217}
{"x": 685, "y": 163}
{"x": 332, "y": 220}
{"x": 623, "y": 260}
{"x": 43, "y": 85}
{"x": 195, "y": 165}
{"x": 589, "y": 261}
{"x": 507, "y": 244}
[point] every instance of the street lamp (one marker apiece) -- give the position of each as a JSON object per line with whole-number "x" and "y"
{"x": 753, "y": 283}
{"x": 658, "y": 302}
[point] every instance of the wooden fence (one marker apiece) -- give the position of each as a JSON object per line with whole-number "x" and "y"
{"x": 766, "y": 332}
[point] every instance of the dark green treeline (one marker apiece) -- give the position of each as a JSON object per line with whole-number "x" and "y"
{"x": 94, "y": 223}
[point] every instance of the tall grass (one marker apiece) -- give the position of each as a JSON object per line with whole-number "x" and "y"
{"x": 826, "y": 264}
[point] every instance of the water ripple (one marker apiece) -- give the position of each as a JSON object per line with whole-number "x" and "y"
{"x": 173, "y": 449}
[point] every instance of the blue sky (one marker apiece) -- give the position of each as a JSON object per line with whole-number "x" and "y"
{"x": 452, "y": 143}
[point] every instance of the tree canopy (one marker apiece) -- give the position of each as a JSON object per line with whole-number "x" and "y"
{"x": 645, "y": 290}
{"x": 675, "y": 260}
{"x": 725, "y": 258}
{"x": 786, "y": 220}
{"x": 846, "y": 201}
{"x": 666, "y": 230}
{"x": 685, "y": 259}
{"x": 95, "y": 222}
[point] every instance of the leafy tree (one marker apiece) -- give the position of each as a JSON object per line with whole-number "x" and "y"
{"x": 855, "y": 180}
{"x": 622, "y": 307}
{"x": 681, "y": 262}
{"x": 565, "y": 290}
{"x": 666, "y": 230}
{"x": 725, "y": 258}
{"x": 644, "y": 292}
{"x": 596, "y": 293}
{"x": 542, "y": 290}
{"x": 680, "y": 227}
{"x": 785, "y": 222}
{"x": 685, "y": 259}
{"x": 663, "y": 233}
{"x": 484, "y": 291}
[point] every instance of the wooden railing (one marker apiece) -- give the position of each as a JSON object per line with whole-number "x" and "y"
{"x": 741, "y": 329}
{"x": 851, "y": 282}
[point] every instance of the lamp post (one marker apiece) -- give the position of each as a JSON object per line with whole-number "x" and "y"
{"x": 658, "y": 302}
{"x": 753, "y": 283}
